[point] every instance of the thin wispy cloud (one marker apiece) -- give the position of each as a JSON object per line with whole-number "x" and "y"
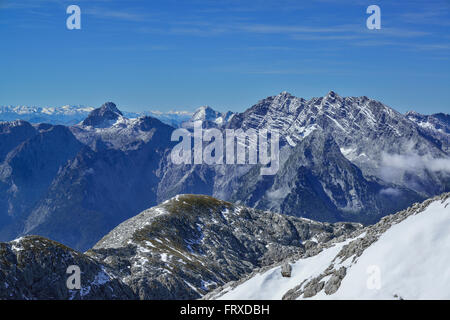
{"x": 5, "y": 5}
{"x": 297, "y": 32}
{"x": 406, "y": 45}
{"x": 325, "y": 37}
{"x": 30, "y": 4}
{"x": 433, "y": 13}
{"x": 278, "y": 29}
{"x": 118, "y": 15}
{"x": 286, "y": 72}
{"x": 146, "y": 48}
{"x": 401, "y": 32}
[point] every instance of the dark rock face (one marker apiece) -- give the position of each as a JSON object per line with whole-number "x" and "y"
{"x": 35, "y": 268}
{"x": 96, "y": 179}
{"x": 318, "y": 182}
{"x": 191, "y": 244}
{"x": 286, "y": 270}
{"x": 101, "y": 188}
{"x": 98, "y": 117}
{"x": 437, "y": 125}
{"x": 27, "y": 172}
{"x": 12, "y": 134}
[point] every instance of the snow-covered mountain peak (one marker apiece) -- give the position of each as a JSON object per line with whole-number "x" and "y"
{"x": 365, "y": 129}
{"x": 104, "y": 116}
{"x": 285, "y": 94}
{"x": 332, "y": 97}
{"x": 209, "y": 116}
{"x": 116, "y": 130}
{"x": 412, "y": 113}
{"x": 332, "y": 94}
{"x": 110, "y": 107}
{"x": 205, "y": 113}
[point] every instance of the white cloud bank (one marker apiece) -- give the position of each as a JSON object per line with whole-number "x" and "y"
{"x": 414, "y": 162}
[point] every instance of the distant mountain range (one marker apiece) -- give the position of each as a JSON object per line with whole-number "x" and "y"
{"x": 70, "y": 115}
{"x": 341, "y": 159}
{"x": 66, "y": 115}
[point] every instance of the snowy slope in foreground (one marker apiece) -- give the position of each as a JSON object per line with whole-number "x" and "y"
{"x": 404, "y": 256}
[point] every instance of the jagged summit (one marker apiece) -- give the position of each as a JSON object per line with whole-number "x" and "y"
{"x": 285, "y": 93}
{"x": 209, "y": 117}
{"x": 120, "y": 131}
{"x": 412, "y": 113}
{"x": 107, "y": 112}
{"x": 205, "y": 113}
{"x": 332, "y": 94}
{"x": 110, "y": 106}
{"x": 333, "y": 99}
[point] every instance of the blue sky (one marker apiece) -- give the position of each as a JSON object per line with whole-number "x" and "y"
{"x": 178, "y": 55}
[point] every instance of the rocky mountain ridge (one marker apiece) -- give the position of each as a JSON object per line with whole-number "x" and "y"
{"x": 196, "y": 246}
{"x": 191, "y": 244}
{"x": 342, "y": 268}
{"x": 181, "y": 249}
{"x": 35, "y": 268}
{"x": 351, "y": 159}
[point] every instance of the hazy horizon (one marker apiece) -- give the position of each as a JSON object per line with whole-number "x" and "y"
{"x": 193, "y": 109}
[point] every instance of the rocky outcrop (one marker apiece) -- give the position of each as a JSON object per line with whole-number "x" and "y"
{"x": 191, "y": 244}
{"x": 353, "y": 251}
{"x": 35, "y": 268}
{"x": 286, "y": 270}
{"x": 320, "y": 272}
